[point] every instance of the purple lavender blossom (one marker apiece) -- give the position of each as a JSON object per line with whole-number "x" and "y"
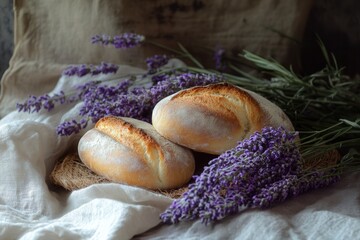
{"x": 116, "y": 100}
{"x": 71, "y": 127}
{"x": 178, "y": 82}
{"x": 155, "y": 62}
{"x": 317, "y": 179}
{"x": 293, "y": 185}
{"x": 259, "y": 172}
{"x": 82, "y": 70}
{"x": 159, "y": 78}
{"x": 276, "y": 192}
{"x": 231, "y": 180}
{"x": 125, "y": 40}
{"x": 35, "y": 104}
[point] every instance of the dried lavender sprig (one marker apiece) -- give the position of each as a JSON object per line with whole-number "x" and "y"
{"x": 261, "y": 171}
{"x": 155, "y": 62}
{"x": 35, "y": 104}
{"x": 277, "y": 191}
{"x": 125, "y": 40}
{"x": 84, "y": 69}
{"x": 175, "y": 83}
{"x": 231, "y": 180}
{"x": 104, "y": 100}
{"x": 48, "y": 102}
{"x": 71, "y": 127}
{"x": 293, "y": 185}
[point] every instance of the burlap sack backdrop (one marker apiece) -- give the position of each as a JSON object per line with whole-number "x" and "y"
{"x": 52, "y": 34}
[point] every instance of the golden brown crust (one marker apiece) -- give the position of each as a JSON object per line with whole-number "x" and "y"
{"x": 214, "y": 118}
{"x": 132, "y": 137}
{"x": 223, "y": 100}
{"x": 116, "y": 128}
{"x": 130, "y": 151}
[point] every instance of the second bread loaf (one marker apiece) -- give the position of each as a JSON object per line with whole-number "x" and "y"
{"x": 213, "y": 118}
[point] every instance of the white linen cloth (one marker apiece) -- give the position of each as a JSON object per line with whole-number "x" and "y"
{"x": 31, "y": 208}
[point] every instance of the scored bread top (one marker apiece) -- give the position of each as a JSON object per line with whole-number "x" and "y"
{"x": 215, "y": 117}
{"x": 130, "y": 151}
{"x": 135, "y": 138}
{"x": 224, "y": 101}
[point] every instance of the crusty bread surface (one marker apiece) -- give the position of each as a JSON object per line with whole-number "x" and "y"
{"x": 214, "y": 118}
{"x": 130, "y": 151}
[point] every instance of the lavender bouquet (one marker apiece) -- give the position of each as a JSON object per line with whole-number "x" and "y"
{"x": 269, "y": 167}
{"x": 259, "y": 172}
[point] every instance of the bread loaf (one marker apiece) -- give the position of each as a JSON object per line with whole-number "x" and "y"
{"x": 214, "y": 118}
{"x": 130, "y": 151}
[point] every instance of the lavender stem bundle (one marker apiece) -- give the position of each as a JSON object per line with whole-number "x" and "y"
{"x": 259, "y": 172}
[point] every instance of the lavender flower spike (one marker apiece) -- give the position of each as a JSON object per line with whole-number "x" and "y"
{"x": 35, "y": 104}
{"x": 244, "y": 176}
{"x": 82, "y": 70}
{"x": 156, "y": 61}
{"x": 260, "y": 171}
{"x": 125, "y": 40}
{"x": 70, "y": 127}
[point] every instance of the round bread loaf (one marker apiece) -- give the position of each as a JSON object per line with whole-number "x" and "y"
{"x": 130, "y": 151}
{"x": 214, "y": 118}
